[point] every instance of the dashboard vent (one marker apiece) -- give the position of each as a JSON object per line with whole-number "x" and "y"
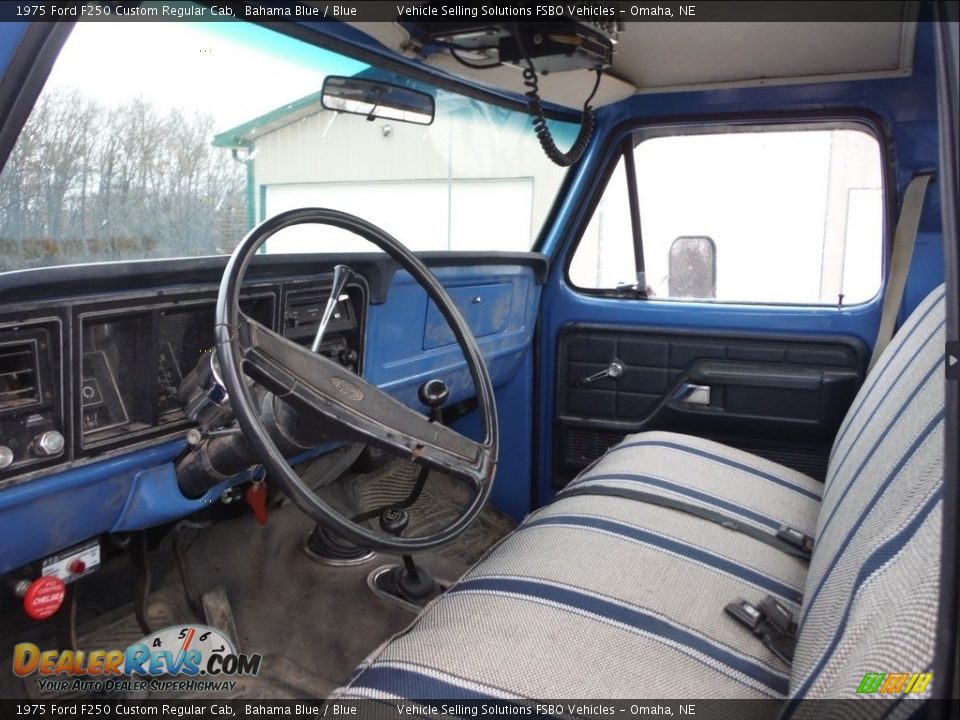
{"x": 19, "y": 383}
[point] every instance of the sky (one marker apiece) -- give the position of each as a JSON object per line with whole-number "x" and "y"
{"x": 233, "y": 71}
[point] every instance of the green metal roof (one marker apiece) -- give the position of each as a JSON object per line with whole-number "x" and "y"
{"x": 242, "y": 135}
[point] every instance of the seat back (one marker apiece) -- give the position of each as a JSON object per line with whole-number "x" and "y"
{"x": 871, "y": 596}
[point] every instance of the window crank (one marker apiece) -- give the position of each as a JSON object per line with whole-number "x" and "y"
{"x": 613, "y": 370}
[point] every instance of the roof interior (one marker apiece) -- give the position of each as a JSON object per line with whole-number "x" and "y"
{"x": 669, "y": 57}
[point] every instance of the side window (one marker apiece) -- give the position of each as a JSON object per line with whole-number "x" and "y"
{"x": 753, "y": 215}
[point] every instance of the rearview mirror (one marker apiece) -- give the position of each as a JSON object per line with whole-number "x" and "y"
{"x": 375, "y": 99}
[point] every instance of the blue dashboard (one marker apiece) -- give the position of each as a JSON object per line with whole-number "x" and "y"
{"x": 109, "y": 350}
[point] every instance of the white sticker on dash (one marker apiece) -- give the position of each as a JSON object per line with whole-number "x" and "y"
{"x": 73, "y": 563}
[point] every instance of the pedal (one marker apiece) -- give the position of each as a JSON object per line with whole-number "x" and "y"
{"x": 219, "y": 614}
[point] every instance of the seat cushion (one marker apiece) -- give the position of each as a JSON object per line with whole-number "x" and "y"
{"x": 873, "y": 591}
{"x": 730, "y": 485}
{"x": 589, "y": 589}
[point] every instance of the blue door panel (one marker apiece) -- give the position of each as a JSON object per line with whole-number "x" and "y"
{"x": 903, "y": 109}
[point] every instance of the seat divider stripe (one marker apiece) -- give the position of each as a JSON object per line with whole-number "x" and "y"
{"x": 623, "y": 614}
{"x": 691, "y": 509}
{"x": 722, "y": 460}
{"x": 677, "y": 547}
{"x": 679, "y": 490}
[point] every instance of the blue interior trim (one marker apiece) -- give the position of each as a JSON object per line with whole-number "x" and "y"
{"x": 905, "y": 109}
{"x": 10, "y": 35}
{"x": 48, "y": 514}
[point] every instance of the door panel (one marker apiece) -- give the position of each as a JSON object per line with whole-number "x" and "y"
{"x": 781, "y": 397}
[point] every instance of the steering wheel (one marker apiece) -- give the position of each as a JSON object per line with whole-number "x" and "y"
{"x": 320, "y": 388}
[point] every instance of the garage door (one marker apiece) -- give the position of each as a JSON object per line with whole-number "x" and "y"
{"x": 424, "y": 215}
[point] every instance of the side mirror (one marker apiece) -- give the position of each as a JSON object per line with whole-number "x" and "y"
{"x": 693, "y": 267}
{"x": 375, "y": 99}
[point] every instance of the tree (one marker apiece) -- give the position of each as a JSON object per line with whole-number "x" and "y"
{"x": 88, "y": 183}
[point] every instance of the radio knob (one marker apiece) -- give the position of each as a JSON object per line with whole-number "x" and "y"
{"x": 48, "y": 443}
{"x": 6, "y": 457}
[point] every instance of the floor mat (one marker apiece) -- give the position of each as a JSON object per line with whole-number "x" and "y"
{"x": 311, "y": 622}
{"x": 439, "y": 503}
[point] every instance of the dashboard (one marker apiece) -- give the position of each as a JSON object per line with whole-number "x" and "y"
{"x": 93, "y": 435}
{"x": 84, "y": 377}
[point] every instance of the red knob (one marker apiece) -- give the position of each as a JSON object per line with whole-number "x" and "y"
{"x": 256, "y": 497}
{"x": 77, "y": 566}
{"x": 44, "y": 597}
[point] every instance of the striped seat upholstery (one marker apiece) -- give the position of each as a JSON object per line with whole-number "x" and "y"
{"x": 870, "y": 602}
{"x": 601, "y": 596}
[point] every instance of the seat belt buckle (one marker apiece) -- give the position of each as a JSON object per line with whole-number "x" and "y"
{"x": 770, "y": 621}
{"x": 745, "y": 613}
{"x": 778, "y": 616}
{"x": 796, "y": 538}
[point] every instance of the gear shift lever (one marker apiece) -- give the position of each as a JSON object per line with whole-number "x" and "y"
{"x": 433, "y": 394}
{"x": 413, "y": 583}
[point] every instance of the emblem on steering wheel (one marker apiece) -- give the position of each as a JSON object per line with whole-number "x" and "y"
{"x": 348, "y": 390}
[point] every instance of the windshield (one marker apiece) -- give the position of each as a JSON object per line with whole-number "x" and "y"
{"x": 207, "y": 128}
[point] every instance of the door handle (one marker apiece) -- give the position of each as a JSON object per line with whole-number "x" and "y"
{"x": 613, "y": 370}
{"x": 693, "y": 394}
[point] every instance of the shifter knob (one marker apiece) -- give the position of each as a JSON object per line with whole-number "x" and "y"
{"x": 434, "y": 393}
{"x": 394, "y": 520}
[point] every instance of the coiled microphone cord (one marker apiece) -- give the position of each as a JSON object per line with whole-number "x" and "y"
{"x": 535, "y": 105}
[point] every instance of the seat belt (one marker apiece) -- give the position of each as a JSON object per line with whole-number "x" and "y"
{"x": 788, "y": 540}
{"x": 904, "y": 240}
{"x": 770, "y": 621}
